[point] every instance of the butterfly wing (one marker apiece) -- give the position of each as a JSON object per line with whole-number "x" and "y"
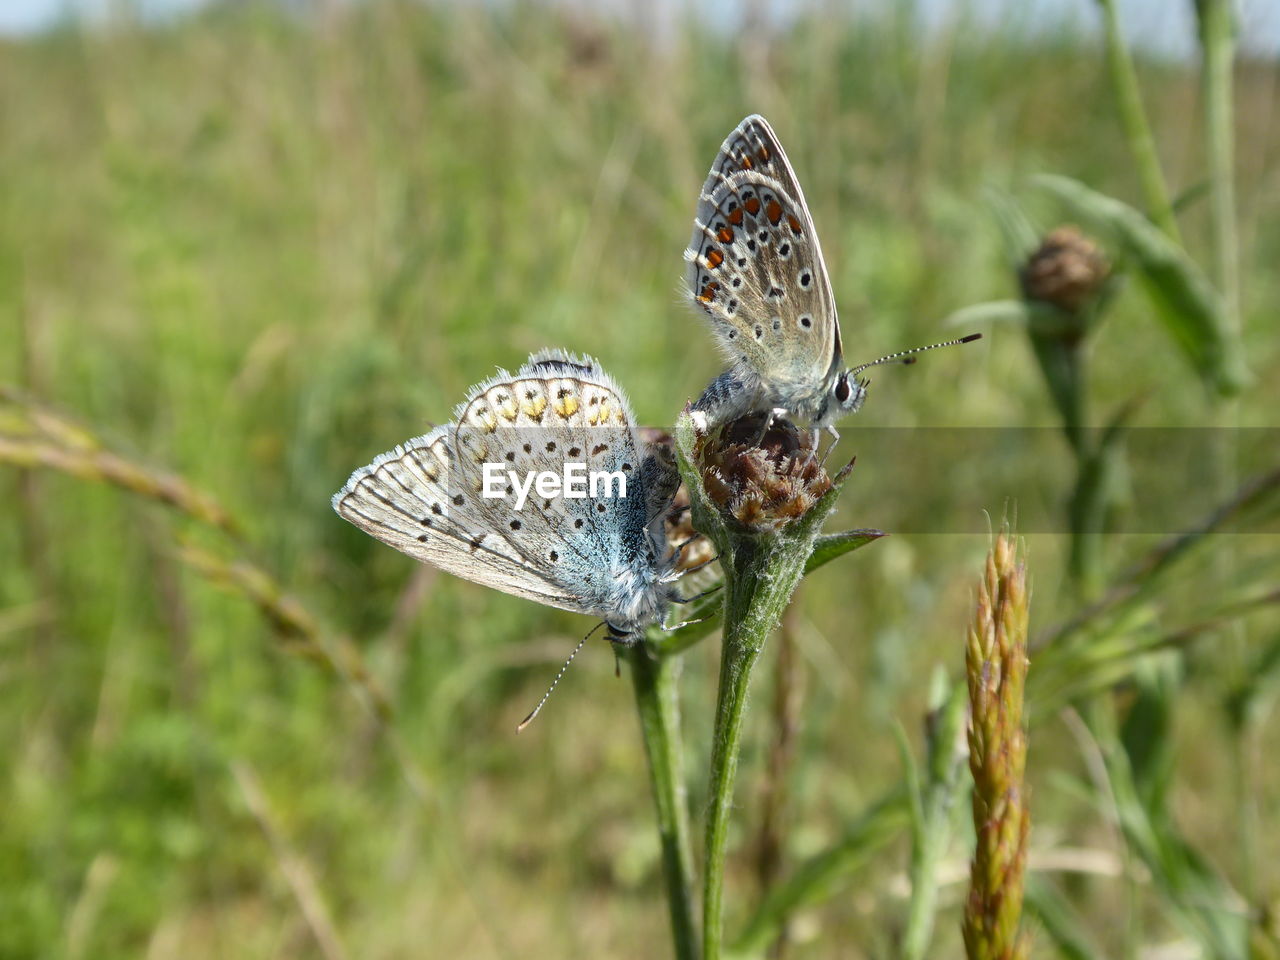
{"x": 755, "y": 266}
{"x": 410, "y": 499}
{"x": 559, "y": 410}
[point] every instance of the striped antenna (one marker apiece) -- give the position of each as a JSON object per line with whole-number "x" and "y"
{"x": 547, "y": 696}
{"x": 908, "y": 356}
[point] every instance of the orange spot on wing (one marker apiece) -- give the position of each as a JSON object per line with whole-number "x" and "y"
{"x": 794, "y": 224}
{"x": 753, "y": 206}
{"x": 764, "y": 154}
{"x": 709, "y": 292}
{"x": 773, "y": 211}
{"x": 736, "y": 217}
{"x": 746, "y": 162}
{"x": 725, "y": 235}
{"x": 714, "y": 258}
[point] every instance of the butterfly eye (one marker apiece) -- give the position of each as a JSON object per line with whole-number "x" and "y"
{"x": 843, "y": 390}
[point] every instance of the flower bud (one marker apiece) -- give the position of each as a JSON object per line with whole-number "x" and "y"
{"x": 1068, "y": 270}
{"x": 762, "y": 473}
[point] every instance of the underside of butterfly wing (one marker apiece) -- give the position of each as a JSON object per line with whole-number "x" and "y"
{"x": 757, "y": 272}
{"x": 755, "y": 268}
{"x": 410, "y": 499}
{"x": 563, "y": 417}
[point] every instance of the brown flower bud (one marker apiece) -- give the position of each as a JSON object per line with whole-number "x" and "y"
{"x": 761, "y": 478}
{"x": 1067, "y": 270}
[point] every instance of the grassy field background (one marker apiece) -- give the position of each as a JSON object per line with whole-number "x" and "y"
{"x": 255, "y": 248}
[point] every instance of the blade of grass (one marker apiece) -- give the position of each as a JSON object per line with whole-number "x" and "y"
{"x": 1198, "y": 898}
{"x": 1217, "y": 46}
{"x": 934, "y": 810}
{"x": 817, "y": 879}
{"x": 1136, "y": 128}
{"x": 1065, "y": 927}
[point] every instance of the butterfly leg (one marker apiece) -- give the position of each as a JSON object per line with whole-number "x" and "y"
{"x": 777, "y": 413}
{"x": 699, "y": 566}
{"x": 835, "y": 438}
{"x": 695, "y": 598}
{"x": 675, "y": 575}
{"x": 673, "y": 627}
{"x": 679, "y": 548}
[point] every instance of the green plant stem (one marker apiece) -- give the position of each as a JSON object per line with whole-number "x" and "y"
{"x": 760, "y": 576}
{"x": 1137, "y": 131}
{"x": 1217, "y": 45}
{"x": 934, "y": 813}
{"x": 1217, "y": 42}
{"x": 657, "y": 699}
{"x": 1085, "y": 512}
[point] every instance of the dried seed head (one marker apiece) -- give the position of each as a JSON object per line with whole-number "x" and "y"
{"x": 1067, "y": 270}
{"x": 761, "y": 478}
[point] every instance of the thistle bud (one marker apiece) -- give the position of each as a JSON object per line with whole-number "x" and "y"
{"x": 761, "y": 472}
{"x": 1068, "y": 270}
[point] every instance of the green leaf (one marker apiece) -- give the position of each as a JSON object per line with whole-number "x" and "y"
{"x": 1190, "y": 196}
{"x": 704, "y": 620}
{"x": 821, "y": 876}
{"x": 1184, "y": 299}
{"x": 1147, "y": 731}
{"x": 992, "y": 311}
{"x": 706, "y": 616}
{"x": 1019, "y": 235}
{"x": 1251, "y": 700}
{"x": 832, "y": 545}
{"x": 1064, "y": 925}
{"x": 1200, "y": 900}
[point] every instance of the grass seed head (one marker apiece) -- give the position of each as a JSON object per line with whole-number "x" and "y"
{"x": 996, "y": 669}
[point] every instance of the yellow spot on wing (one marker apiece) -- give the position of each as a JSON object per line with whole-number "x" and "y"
{"x": 602, "y": 413}
{"x": 566, "y": 407}
{"x": 534, "y": 406}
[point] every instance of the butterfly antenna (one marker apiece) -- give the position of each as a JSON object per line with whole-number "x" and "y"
{"x": 547, "y": 696}
{"x": 908, "y": 356}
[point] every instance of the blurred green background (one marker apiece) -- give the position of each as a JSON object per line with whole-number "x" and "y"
{"x": 258, "y": 245}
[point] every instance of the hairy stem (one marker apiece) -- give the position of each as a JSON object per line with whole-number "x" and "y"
{"x": 654, "y": 680}
{"x": 760, "y": 577}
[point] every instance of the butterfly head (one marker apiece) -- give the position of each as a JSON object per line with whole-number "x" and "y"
{"x": 848, "y": 392}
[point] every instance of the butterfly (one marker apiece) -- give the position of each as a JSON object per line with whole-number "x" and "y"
{"x": 755, "y": 267}
{"x": 452, "y": 498}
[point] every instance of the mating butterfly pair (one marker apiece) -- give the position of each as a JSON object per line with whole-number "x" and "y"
{"x": 463, "y": 496}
